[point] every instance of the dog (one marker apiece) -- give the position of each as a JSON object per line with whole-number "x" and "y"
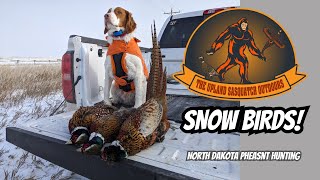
{"x": 125, "y": 70}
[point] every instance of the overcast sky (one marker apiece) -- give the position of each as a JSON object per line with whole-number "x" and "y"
{"x": 40, "y": 28}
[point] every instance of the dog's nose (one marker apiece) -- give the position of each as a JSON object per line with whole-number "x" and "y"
{"x": 106, "y": 16}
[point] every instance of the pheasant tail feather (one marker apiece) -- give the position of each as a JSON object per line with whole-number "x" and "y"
{"x": 155, "y": 81}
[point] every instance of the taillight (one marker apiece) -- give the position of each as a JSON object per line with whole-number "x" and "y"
{"x": 212, "y": 11}
{"x": 67, "y": 77}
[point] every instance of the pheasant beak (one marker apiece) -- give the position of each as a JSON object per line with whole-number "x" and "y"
{"x": 93, "y": 146}
{"x": 80, "y": 135}
{"x": 72, "y": 140}
{"x": 82, "y": 138}
{"x": 75, "y": 139}
{"x": 93, "y": 149}
{"x": 69, "y": 142}
{"x": 85, "y": 147}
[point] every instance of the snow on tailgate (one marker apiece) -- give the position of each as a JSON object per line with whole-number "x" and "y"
{"x": 170, "y": 154}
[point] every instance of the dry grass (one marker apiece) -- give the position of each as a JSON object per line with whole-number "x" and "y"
{"x": 6, "y": 175}
{"x": 37, "y": 162}
{"x": 20, "y": 162}
{"x": 2, "y": 152}
{"x": 28, "y": 81}
{"x": 57, "y": 175}
{"x": 17, "y": 84}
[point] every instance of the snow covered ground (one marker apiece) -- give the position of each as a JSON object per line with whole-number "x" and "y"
{"x": 15, "y": 163}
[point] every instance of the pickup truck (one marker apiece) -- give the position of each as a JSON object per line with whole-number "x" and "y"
{"x": 82, "y": 83}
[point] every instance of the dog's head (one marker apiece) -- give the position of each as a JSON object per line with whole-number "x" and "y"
{"x": 117, "y": 19}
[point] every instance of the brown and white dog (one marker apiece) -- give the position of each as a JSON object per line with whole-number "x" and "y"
{"x": 125, "y": 70}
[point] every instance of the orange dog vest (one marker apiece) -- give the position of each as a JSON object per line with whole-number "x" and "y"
{"x": 117, "y": 50}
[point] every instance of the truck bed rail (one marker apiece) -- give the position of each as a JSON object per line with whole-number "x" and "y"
{"x": 103, "y": 43}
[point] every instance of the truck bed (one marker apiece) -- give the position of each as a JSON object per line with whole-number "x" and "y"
{"x": 167, "y": 160}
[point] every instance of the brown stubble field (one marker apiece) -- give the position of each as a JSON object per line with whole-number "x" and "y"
{"x": 19, "y": 82}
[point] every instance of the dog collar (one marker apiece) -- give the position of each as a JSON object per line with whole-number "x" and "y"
{"x": 118, "y": 33}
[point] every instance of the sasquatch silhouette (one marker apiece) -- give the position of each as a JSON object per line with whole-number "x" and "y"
{"x": 240, "y": 37}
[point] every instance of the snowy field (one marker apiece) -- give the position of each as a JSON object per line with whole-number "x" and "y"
{"x": 23, "y": 98}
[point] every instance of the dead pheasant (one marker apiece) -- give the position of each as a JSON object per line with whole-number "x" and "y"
{"x": 149, "y": 122}
{"x": 105, "y": 130}
{"x": 82, "y": 119}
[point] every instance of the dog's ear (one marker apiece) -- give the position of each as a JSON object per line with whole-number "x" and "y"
{"x": 130, "y": 24}
{"x": 105, "y": 30}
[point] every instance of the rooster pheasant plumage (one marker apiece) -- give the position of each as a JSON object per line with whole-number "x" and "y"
{"x": 82, "y": 119}
{"x": 105, "y": 130}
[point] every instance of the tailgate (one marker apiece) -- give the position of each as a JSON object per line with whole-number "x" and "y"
{"x": 46, "y": 137}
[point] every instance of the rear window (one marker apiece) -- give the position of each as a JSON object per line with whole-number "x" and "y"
{"x": 178, "y": 31}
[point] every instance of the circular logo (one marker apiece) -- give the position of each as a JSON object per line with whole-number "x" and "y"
{"x": 239, "y": 54}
